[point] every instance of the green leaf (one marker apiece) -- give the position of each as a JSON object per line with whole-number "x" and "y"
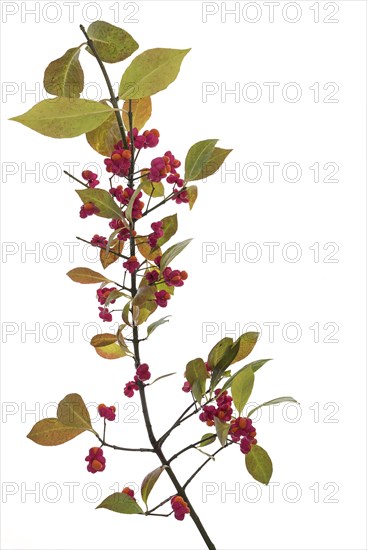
{"x": 111, "y": 351}
{"x": 64, "y": 117}
{"x": 242, "y": 385}
{"x": 156, "y": 324}
{"x": 259, "y": 465}
{"x": 214, "y": 162}
{"x": 220, "y": 368}
{"x": 72, "y": 411}
{"x": 146, "y": 311}
{"x": 64, "y": 76}
{"x": 121, "y": 503}
{"x": 273, "y": 402}
{"x": 141, "y": 110}
{"x": 207, "y": 439}
{"x": 86, "y": 276}
{"x": 148, "y": 483}
{"x": 254, "y": 366}
{"x": 152, "y": 188}
{"x": 102, "y": 340}
{"x": 169, "y": 229}
{"x": 222, "y": 429}
{"x": 196, "y": 375}
{"x": 51, "y": 431}
{"x": 103, "y": 201}
{"x": 125, "y": 313}
{"x": 129, "y": 208}
{"x": 172, "y": 252}
{"x": 197, "y": 157}
{"x": 150, "y": 72}
{"x": 217, "y": 352}
{"x": 111, "y": 43}
{"x": 247, "y": 343}
{"x": 104, "y": 138}
{"x": 192, "y": 193}
{"x": 163, "y": 376}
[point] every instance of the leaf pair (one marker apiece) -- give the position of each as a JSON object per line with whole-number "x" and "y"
{"x": 72, "y": 419}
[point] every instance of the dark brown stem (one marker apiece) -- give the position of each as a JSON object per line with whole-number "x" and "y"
{"x": 156, "y": 446}
{"x": 204, "y": 464}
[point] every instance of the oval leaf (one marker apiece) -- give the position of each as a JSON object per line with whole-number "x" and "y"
{"x": 72, "y": 411}
{"x": 102, "y": 340}
{"x": 148, "y": 483}
{"x": 141, "y": 110}
{"x": 217, "y": 352}
{"x": 86, "y": 276}
{"x": 247, "y": 343}
{"x": 108, "y": 258}
{"x": 222, "y": 429}
{"x": 111, "y": 351}
{"x": 192, "y": 193}
{"x": 64, "y": 117}
{"x": 104, "y": 138}
{"x": 172, "y": 252}
{"x": 213, "y": 164}
{"x": 255, "y": 365}
{"x": 197, "y": 157}
{"x": 64, "y": 76}
{"x": 196, "y": 375}
{"x": 51, "y": 431}
{"x": 259, "y": 465}
{"x": 150, "y": 72}
{"x": 241, "y": 388}
{"x": 121, "y": 503}
{"x": 111, "y": 43}
{"x": 169, "y": 229}
{"x": 103, "y": 201}
{"x": 207, "y": 439}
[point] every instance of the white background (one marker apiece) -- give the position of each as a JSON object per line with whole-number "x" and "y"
{"x": 319, "y": 443}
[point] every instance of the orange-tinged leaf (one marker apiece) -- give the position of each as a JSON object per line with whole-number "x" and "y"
{"x": 108, "y": 258}
{"x": 141, "y": 110}
{"x": 145, "y": 250}
{"x": 102, "y": 340}
{"x": 104, "y": 138}
{"x": 86, "y": 276}
{"x": 50, "y": 432}
{"x": 111, "y": 351}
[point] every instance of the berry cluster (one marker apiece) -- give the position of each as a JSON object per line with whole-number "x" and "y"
{"x": 96, "y": 460}
{"x": 157, "y": 233}
{"x": 109, "y": 413}
{"x": 88, "y": 209}
{"x": 179, "y": 507}
{"x": 142, "y": 374}
{"x": 91, "y": 178}
{"x": 223, "y": 411}
{"x": 242, "y": 430}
